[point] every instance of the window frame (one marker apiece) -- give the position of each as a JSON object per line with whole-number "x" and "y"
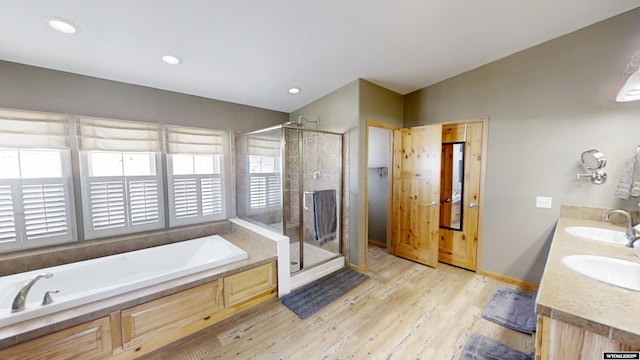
{"x": 268, "y": 178}
{"x": 16, "y": 185}
{"x": 200, "y": 217}
{"x": 90, "y": 232}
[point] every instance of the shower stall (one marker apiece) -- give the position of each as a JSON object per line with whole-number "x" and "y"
{"x": 289, "y": 179}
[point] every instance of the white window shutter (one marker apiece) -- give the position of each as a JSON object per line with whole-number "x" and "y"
{"x": 265, "y": 191}
{"x": 45, "y": 210}
{"x": 107, "y": 204}
{"x": 144, "y": 203}
{"x": 211, "y": 196}
{"x": 258, "y": 192}
{"x": 7, "y": 221}
{"x": 273, "y": 189}
{"x": 185, "y": 192}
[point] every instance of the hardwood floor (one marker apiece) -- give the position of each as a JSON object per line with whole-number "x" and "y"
{"x": 403, "y": 311}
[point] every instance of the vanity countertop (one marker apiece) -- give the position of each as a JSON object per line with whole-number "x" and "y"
{"x": 569, "y": 297}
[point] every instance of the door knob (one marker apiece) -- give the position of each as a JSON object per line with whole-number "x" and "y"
{"x": 472, "y": 205}
{"x": 433, "y": 203}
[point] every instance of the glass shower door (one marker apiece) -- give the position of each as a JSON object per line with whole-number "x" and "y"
{"x": 314, "y": 173}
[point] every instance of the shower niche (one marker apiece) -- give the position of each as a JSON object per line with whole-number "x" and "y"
{"x": 289, "y": 180}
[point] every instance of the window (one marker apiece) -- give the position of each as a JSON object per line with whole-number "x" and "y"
{"x": 265, "y": 184}
{"x": 121, "y": 182}
{"x": 36, "y": 202}
{"x": 196, "y": 185}
{"x": 265, "y": 188}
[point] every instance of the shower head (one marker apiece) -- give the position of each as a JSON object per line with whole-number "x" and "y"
{"x": 299, "y": 122}
{"x": 293, "y": 123}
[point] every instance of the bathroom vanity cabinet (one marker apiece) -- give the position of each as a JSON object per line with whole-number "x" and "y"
{"x": 578, "y": 317}
{"x": 559, "y": 340}
{"x": 130, "y": 332}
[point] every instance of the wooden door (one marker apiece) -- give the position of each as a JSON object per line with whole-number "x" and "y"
{"x": 459, "y": 247}
{"x": 416, "y": 193}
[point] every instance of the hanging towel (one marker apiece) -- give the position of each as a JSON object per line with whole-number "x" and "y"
{"x": 325, "y": 221}
{"x": 629, "y": 184}
{"x": 623, "y": 191}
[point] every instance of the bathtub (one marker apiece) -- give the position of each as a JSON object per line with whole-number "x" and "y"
{"x": 86, "y": 281}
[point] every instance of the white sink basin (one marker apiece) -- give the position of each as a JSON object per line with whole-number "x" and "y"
{"x": 617, "y": 272}
{"x": 597, "y": 234}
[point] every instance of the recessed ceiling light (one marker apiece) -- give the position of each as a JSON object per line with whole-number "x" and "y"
{"x": 294, "y": 90}
{"x": 171, "y": 59}
{"x": 62, "y": 25}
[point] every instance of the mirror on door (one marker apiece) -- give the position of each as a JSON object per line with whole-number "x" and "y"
{"x": 452, "y": 185}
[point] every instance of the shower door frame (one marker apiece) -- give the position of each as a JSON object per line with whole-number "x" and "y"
{"x": 301, "y": 193}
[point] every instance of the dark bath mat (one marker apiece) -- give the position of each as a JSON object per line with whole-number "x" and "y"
{"x": 479, "y": 347}
{"x": 513, "y": 309}
{"x": 312, "y": 297}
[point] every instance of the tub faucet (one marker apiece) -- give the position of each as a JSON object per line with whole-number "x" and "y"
{"x": 630, "y": 234}
{"x": 20, "y": 299}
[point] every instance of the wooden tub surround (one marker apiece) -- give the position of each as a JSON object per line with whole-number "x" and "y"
{"x": 579, "y": 318}
{"x": 135, "y": 323}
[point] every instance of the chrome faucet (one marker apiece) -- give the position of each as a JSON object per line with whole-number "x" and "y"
{"x": 630, "y": 234}
{"x": 630, "y": 243}
{"x": 20, "y": 299}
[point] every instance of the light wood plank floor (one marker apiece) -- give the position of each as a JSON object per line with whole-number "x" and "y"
{"x": 403, "y": 311}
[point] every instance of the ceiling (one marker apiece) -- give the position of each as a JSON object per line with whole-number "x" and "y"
{"x": 251, "y": 51}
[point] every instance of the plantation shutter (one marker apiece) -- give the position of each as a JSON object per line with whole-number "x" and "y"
{"x": 108, "y": 204}
{"x": 45, "y": 210}
{"x": 273, "y": 190}
{"x": 258, "y": 192}
{"x": 119, "y": 204}
{"x": 35, "y": 211}
{"x": 195, "y": 197}
{"x": 265, "y": 185}
{"x": 8, "y": 231}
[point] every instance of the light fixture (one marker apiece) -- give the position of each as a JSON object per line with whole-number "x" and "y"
{"x": 630, "y": 91}
{"x": 294, "y": 90}
{"x": 63, "y": 25}
{"x": 171, "y": 59}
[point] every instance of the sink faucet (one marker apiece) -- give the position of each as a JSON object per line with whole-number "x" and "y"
{"x": 630, "y": 243}
{"x": 20, "y": 299}
{"x": 630, "y": 234}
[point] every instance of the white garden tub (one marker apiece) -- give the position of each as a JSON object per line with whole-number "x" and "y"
{"x": 86, "y": 281}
